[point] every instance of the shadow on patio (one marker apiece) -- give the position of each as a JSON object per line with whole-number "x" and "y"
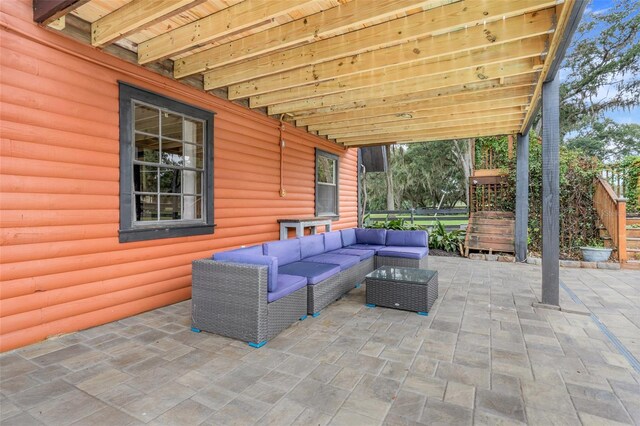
{"x": 484, "y": 355}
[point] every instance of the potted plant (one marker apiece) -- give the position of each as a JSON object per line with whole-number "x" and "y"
{"x": 595, "y": 252}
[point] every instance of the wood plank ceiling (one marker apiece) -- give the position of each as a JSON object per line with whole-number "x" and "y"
{"x": 358, "y": 72}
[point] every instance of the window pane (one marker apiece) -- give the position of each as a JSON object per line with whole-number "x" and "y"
{"x": 190, "y": 153}
{"x": 326, "y": 170}
{"x": 170, "y": 208}
{"x": 170, "y": 181}
{"x": 147, "y": 119}
{"x": 192, "y": 207}
{"x": 145, "y": 178}
{"x": 171, "y": 125}
{"x": 191, "y": 182}
{"x": 193, "y": 131}
{"x": 172, "y": 153}
{"x": 326, "y": 199}
{"x": 147, "y": 148}
{"x": 146, "y": 208}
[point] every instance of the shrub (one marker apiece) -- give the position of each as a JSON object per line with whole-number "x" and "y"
{"x": 447, "y": 241}
{"x": 578, "y": 219}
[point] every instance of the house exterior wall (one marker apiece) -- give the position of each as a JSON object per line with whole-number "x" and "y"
{"x": 63, "y": 268}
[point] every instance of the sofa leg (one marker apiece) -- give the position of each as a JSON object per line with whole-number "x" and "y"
{"x": 302, "y": 318}
{"x": 369, "y": 305}
{"x": 357, "y": 285}
{"x": 258, "y": 345}
{"x": 423, "y": 313}
{"x": 195, "y": 330}
{"x": 315, "y": 315}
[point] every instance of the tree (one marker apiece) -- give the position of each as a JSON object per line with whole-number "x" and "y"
{"x": 607, "y": 140}
{"x": 389, "y": 175}
{"x": 602, "y": 67}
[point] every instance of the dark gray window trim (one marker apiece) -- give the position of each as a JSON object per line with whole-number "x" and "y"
{"x": 337, "y": 160}
{"x": 128, "y": 233}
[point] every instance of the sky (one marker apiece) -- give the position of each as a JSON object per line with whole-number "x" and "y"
{"x": 621, "y": 115}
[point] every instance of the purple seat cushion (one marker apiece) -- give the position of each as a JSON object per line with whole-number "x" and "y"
{"x": 371, "y": 236}
{"x": 362, "y": 254}
{"x": 270, "y": 261}
{"x": 348, "y": 237}
{"x": 373, "y": 247}
{"x": 332, "y": 240}
{"x": 345, "y": 261}
{"x": 407, "y": 238}
{"x": 287, "y": 284}
{"x": 313, "y": 271}
{"x": 406, "y": 252}
{"x": 311, "y": 246}
{"x": 287, "y": 251}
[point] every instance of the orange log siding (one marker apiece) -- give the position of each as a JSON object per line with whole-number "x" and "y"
{"x": 62, "y": 267}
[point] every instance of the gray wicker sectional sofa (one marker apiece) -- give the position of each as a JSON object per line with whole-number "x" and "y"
{"x": 253, "y": 293}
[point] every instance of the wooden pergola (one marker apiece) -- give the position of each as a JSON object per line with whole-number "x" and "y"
{"x": 360, "y": 72}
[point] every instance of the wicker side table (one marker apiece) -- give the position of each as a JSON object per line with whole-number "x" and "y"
{"x": 410, "y": 289}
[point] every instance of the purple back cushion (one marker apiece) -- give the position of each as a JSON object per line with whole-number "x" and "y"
{"x": 270, "y": 261}
{"x": 348, "y": 237}
{"x": 371, "y": 236}
{"x": 407, "y": 238}
{"x": 255, "y": 250}
{"x": 332, "y": 240}
{"x": 287, "y": 251}
{"x": 311, "y": 246}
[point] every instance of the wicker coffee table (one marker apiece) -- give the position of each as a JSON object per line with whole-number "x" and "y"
{"x": 410, "y": 289}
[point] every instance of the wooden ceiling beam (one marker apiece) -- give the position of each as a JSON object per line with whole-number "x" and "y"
{"x": 424, "y": 110}
{"x": 489, "y": 35}
{"x": 430, "y": 22}
{"x": 412, "y": 85}
{"x": 430, "y": 99}
{"x": 440, "y": 73}
{"x": 134, "y": 16}
{"x": 47, "y": 11}
{"x": 418, "y": 120}
{"x": 460, "y": 132}
{"x": 409, "y": 126}
{"x": 227, "y": 21}
{"x": 317, "y": 26}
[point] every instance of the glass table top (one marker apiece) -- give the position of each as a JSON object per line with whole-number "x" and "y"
{"x": 399, "y": 274}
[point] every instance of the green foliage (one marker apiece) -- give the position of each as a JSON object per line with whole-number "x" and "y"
{"x": 396, "y": 224}
{"x": 422, "y": 174}
{"x": 498, "y": 146}
{"x": 606, "y": 140}
{"x": 630, "y": 167}
{"x": 578, "y": 219}
{"x": 443, "y": 240}
{"x": 602, "y": 67}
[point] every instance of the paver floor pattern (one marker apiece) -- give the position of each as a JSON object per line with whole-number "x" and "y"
{"x": 484, "y": 355}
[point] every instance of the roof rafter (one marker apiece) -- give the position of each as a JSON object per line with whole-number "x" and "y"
{"x": 424, "y": 110}
{"x": 412, "y": 85}
{"x": 305, "y": 30}
{"x": 402, "y": 123}
{"x": 430, "y": 22}
{"x": 439, "y": 73}
{"x": 227, "y": 21}
{"x": 460, "y": 132}
{"x": 135, "y": 16}
{"x": 491, "y": 34}
{"x": 412, "y": 125}
{"x": 440, "y": 98}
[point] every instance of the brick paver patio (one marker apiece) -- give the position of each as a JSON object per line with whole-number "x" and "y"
{"x": 484, "y": 355}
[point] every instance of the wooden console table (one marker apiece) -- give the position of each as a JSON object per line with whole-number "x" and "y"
{"x": 300, "y": 224}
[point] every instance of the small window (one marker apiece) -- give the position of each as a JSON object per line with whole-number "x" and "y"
{"x": 326, "y": 184}
{"x": 166, "y": 167}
